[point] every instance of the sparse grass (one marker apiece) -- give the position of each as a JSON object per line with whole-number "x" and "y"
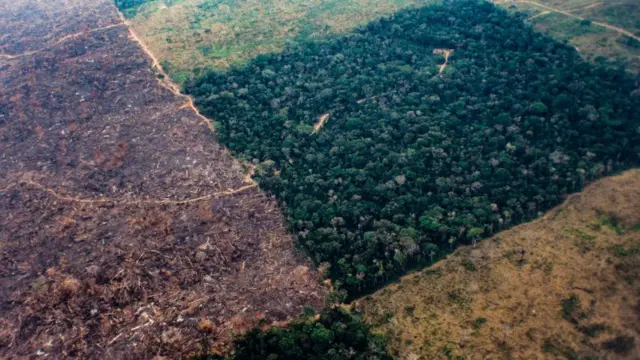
{"x": 612, "y": 222}
{"x": 197, "y": 34}
{"x": 572, "y": 309}
{"x": 557, "y": 303}
{"x": 585, "y": 242}
{"x": 594, "y": 42}
{"x": 479, "y": 322}
{"x": 557, "y": 347}
{"x": 593, "y": 330}
{"x": 467, "y": 264}
{"x": 621, "y": 251}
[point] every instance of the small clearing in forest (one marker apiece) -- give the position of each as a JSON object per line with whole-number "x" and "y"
{"x": 321, "y": 121}
{"x": 445, "y": 53}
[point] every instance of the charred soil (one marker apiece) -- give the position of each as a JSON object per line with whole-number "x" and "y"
{"x": 125, "y": 229}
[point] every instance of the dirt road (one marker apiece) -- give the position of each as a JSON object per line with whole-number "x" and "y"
{"x": 605, "y": 25}
{"x": 126, "y": 230}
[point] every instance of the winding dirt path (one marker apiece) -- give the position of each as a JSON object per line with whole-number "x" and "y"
{"x": 543, "y": 13}
{"x": 446, "y": 53}
{"x": 602, "y": 24}
{"x": 321, "y": 122}
{"x": 63, "y": 39}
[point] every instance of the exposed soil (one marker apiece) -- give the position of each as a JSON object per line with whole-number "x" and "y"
{"x": 445, "y": 53}
{"x": 320, "y": 123}
{"x": 564, "y": 286}
{"x": 126, "y": 231}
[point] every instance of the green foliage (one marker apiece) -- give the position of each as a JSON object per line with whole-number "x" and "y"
{"x": 129, "y": 7}
{"x": 336, "y": 335}
{"x": 621, "y": 344}
{"x": 593, "y": 330}
{"x": 572, "y": 309}
{"x": 412, "y": 163}
{"x": 468, "y": 265}
{"x": 479, "y": 322}
{"x": 612, "y": 222}
{"x": 621, "y": 251}
{"x": 559, "y": 348}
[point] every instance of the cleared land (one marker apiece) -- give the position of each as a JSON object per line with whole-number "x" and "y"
{"x": 564, "y": 286}
{"x": 126, "y": 231}
{"x": 188, "y": 35}
{"x": 609, "y": 29}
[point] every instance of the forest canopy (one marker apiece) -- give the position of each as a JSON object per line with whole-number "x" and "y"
{"x": 334, "y": 334}
{"x": 416, "y": 158}
{"x": 130, "y": 7}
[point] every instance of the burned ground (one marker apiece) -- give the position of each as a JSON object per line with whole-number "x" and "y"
{"x": 124, "y": 227}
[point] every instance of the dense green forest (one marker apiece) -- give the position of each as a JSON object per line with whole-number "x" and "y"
{"x": 335, "y": 334}
{"x": 413, "y": 162}
{"x": 129, "y": 7}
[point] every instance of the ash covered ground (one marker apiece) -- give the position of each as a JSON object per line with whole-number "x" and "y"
{"x": 126, "y": 231}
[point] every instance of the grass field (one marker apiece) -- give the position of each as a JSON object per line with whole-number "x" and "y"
{"x": 190, "y": 35}
{"x": 581, "y": 26}
{"x": 565, "y": 286}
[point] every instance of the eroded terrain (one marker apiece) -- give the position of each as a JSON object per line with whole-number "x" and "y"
{"x": 124, "y": 227}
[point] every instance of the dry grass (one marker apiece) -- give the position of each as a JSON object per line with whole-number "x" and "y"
{"x": 594, "y": 39}
{"x": 557, "y": 287}
{"x": 195, "y": 34}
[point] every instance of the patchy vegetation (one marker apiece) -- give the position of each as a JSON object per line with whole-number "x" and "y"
{"x": 192, "y": 35}
{"x": 431, "y": 160}
{"x": 588, "y": 25}
{"x": 334, "y": 334}
{"x": 585, "y": 305}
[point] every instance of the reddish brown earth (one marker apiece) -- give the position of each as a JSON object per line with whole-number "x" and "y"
{"x": 126, "y": 231}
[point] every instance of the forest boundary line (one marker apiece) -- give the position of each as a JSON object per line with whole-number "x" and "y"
{"x": 605, "y": 25}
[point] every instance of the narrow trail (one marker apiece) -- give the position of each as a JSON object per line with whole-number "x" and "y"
{"x": 563, "y": 12}
{"x": 80, "y": 200}
{"x": 446, "y": 53}
{"x": 321, "y": 121}
{"x": 60, "y": 41}
{"x": 543, "y": 13}
{"x": 585, "y": 7}
{"x": 165, "y": 81}
{"x": 590, "y": 6}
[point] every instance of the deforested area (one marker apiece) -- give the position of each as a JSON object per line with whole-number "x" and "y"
{"x": 439, "y": 126}
{"x": 602, "y": 31}
{"x": 565, "y": 286}
{"x": 191, "y": 36}
{"x": 126, "y": 230}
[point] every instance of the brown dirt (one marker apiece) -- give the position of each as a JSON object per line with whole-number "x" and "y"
{"x": 503, "y": 299}
{"x": 126, "y": 231}
{"x": 320, "y": 123}
{"x": 446, "y": 53}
